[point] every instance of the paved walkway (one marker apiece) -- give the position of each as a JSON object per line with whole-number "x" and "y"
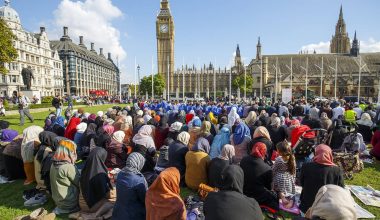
{"x": 36, "y": 110}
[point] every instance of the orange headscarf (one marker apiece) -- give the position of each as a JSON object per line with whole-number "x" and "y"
{"x": 323, "y": 155}
{"x": 162, "y": 200}
{"x": 259, "y": 150}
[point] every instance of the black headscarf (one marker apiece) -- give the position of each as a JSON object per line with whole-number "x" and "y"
{"x": 59, "y": 130}
{"x": 4, "y": 124}
{"x": 94, "y": 181}
{"x": 47, "y": 140}
{"x": 232, "y": 179}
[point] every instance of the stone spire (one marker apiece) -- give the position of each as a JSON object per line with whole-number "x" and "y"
{"x": 258, "y": 50}
{"x": 340, "y": 42}
{"x": 238, "y": 51}
{"x": 355, "y": 47}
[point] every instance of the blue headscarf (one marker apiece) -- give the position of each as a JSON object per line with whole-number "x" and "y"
{"x": 241, "y": 131}
{"x": 221, "y": 139}
{"x": 59, "y": 121}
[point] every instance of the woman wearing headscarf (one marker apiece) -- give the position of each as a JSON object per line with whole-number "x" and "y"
{"x": 197, "y": 161}
{"x": 144, "y": 144}
{"x": 116, "y": 152}
{"x": 232, "y": 116}
{"x": 12, "y": 165}
{"x": 262, "y": 135}
{"x": 365, "y": 127}
{"x": 59, "y": 126}
{"x": 276, "y": 132}
{"x": 81, "y": 128}
{"x": 338, "y": 134}
{"x": 221, "y": 139}
{"x": 174, "y": 130}
{"x": 325, "y": 121}
{"x": 206, "y": 131}
{"x": 195, "y": 131}
{"x": 293, "y": 124}
{"x": 64, "y": 178}
{"x": 230, "y": 202}
{"x": 104, "y": 135}
{"x": 328, "y": 173}
{"x": 131, "y": 188}
{"x": 29, "y": 144}
{"x": 240, "y": 139}
{"x": 71, "y": 128}
{"x": 177, "y": 152}
{"x": 95, "y": 187}
{"x": 161, "y": 132}
{"x": 163, "y": 200}
{"x": 258, "y": 177}
{"x": 218, "y": 164}
{"x": 47, "y": 140}
{"x": 88, "y": 139}
{"x": 250, "y": 121}
{"x": 190, "y": 116}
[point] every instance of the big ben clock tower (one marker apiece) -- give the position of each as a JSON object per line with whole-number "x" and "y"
{"x": 165, "y": 43}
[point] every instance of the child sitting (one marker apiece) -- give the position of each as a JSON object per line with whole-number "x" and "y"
{"x": 284, "y": 170}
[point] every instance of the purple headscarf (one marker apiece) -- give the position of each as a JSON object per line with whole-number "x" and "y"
{"x": 8, "y": 135}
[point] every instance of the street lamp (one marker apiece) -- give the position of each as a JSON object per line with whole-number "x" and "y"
{"x": 291, "y": 73}
{"x": 321, "y": 68}
{"x": 138, "y": 74}
{"x": 306, "y": 79}
{"x": 336, "y": 75}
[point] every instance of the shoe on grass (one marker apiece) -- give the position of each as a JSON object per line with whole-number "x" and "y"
{"x": 37, "y": 200}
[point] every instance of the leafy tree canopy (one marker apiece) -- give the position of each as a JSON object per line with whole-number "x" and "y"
{"x": 238, "y": 82}
{"x": 146, "y": 85}
{"x": 8, "y": 52}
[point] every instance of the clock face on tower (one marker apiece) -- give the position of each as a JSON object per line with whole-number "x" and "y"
{"x": 164, "y": 28}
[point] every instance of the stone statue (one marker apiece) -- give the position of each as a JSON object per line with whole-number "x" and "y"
{"x": 27, "y": 76}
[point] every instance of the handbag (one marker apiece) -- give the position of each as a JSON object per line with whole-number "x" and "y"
{"x": 349, "y": 162}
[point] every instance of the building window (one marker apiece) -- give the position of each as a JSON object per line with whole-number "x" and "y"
{"x": 14, "y": 79}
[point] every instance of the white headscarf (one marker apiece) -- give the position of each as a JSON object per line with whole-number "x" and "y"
{"x": 232, "y": 116}
{"x": 100, "y": 113}
{"x": 184, "y": 137}
{"x": 128, "y": 120}
{"x": 144, "y": 137}
{"x": 81, "y": 128}
{"x": 365, "y": 119}
{"x": 176, "y": 126}
{"x": 30, "y": 135}
{"x": 118, "y": 136}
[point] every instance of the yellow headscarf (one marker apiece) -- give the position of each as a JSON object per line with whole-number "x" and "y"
{"x": 212, "y": 118}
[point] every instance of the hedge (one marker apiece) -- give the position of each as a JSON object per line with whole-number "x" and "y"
{"x": 42, "y": 105}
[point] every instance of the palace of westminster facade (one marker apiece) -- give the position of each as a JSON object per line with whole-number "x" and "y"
{"x": 344, "y": 57}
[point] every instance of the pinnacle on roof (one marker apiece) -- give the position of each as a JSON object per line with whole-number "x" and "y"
{"x": 259, "y": 43}
{"x": 7, "y": 2}
{"x": 355, "y": 36}
{"x": 238, "y": 51}
{"x": 341, "y": 13}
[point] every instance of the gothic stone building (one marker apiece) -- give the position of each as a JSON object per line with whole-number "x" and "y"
{"x": 85, "y": 70}
{"x": 33, "y": 50}
{"x": 343, "y": 57}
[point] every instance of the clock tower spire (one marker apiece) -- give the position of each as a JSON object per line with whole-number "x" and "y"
{"x": 165, "y": 44}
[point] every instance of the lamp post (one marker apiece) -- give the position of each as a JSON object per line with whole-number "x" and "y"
{"x": 245, "y": 84}
{"x": 360, "y": 75}
{"x": 321, "y": 86}
{"x": 152, "y": 79}
{"x": 291, "y": 73}
{"x": 276, "y": 80}
{"x": 306, "y": 77}
{"x": 135, "y": 77}
{"x": 138, "y": 74}
{"x": 336, "y": 75}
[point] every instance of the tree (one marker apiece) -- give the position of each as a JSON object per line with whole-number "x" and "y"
{"x": 8, "y": 52}
{"x": 238, "y": 82}
{"x": 146, "y": 84}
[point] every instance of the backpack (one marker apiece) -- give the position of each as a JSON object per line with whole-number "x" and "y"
{"x": 349, "y": 163}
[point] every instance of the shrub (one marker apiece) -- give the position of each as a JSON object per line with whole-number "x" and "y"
{"x": 47, "y": 99}
{"x": 6, "y": 104}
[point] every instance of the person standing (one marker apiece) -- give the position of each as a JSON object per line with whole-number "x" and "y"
{"x": 57, "y": 104}
{"x": 23, "y": 108}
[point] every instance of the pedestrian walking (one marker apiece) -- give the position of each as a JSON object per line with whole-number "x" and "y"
{"x": 23, "y": 108}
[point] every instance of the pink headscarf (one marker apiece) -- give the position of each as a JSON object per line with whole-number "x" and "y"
{"x": 109, "y": 129}
{"x": 323, "y": 155}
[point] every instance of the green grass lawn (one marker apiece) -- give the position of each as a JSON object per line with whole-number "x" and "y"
{"x": 11, "y": 201}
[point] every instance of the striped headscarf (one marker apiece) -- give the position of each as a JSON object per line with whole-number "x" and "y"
{"x": 65, "y": 153}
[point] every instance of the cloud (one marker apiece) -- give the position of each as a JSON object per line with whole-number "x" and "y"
{"x": 91, "y": 19}
{"x": 321, "y": 47}
{"x": 370, "y": 46}
{"x": 367, "y": 46}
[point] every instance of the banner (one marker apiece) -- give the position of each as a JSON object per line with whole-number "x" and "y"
{"x": 286, "y": 95}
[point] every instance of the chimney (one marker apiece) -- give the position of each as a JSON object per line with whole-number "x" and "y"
{"x": 109, "y": 56}
{"x": 101, "y": 51}
{"x": 92, "y": 47}
{"x": 42, "y": 29}
{"x": 65, "y": 31}
{"x": 80, "y": 40}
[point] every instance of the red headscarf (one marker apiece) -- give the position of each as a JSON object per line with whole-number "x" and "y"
{"x": 71, "y": 128}
{"x": 259, "y": 150}
{"x": 323, "y": 155}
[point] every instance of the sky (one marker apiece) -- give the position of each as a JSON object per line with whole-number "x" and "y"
{"x": 205, "y": 30}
